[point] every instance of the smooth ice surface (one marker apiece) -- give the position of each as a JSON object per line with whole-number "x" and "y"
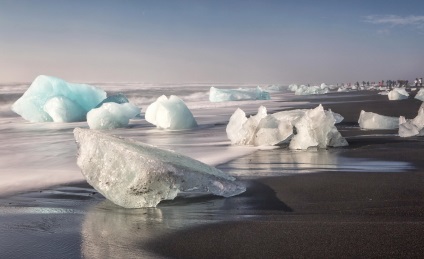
{"x": 53, "y": 99}
{"x": 420, "y": 95}
{"x": 224, "y": 95}
{"x": 370, "y": 120}
{"x": 134, "y": 175}
{"x": 117, "y": 98}
{"x": 315, "y": 128}
{"x": 171, "y": 114}
{"x": 398, "y": 94}
{"x": 111, "y": 115}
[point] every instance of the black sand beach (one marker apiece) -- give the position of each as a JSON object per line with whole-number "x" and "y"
{"x": 332, "y": 210}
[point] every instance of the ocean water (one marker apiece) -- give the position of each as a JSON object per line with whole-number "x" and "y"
{"x": 38, "y": 155}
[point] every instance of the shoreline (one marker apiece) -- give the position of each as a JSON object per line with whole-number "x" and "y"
{"x": 319, "y": 210}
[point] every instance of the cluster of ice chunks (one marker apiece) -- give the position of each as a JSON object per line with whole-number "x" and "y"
{"x": 398, "y": 94}
{"x": 412, "y": 127}
{"x": 301, "y": 128}
{"x": 420, "y": 95}
{"x": 171, "y": 114}
{"x": 224, "y": 95}
{"x": 134, "y": 175}
{"x": 370, "y": 120}
{"x": 53, "y": 99}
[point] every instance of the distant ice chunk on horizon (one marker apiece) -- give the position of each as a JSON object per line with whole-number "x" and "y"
{"x": 240, "y": 94}
{"x": 112, "y": 115}
{"x": 170, "y": 113}
{"x": 373, "y": 121}
{"x": 53, "y": 99}
{"x": 301, "y": 128}
{"x": 398, "y": 94}
{"x": 135, "y": 175}
{"x": 309, "y": 90}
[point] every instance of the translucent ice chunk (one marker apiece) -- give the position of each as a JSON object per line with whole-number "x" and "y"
{"x": 370, "y": 120}
{"x": 171, "y": 114}
{"x": 70, "y": 100}
{"x": 111, "y": 115}
{"x": 224, "y": 95}
{"x": 134, "y": 175}
{"x": 420, "y": 95}
{"x": 414, "y": 127}
{"x": 398, "y": 94}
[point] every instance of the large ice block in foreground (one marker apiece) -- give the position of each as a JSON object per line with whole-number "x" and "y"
{"x": 370, "y": 120}
{"x": 134, "y": 175}
{"x": 172, "y": 114}
{"x": 224, "y": 95}
{"x": 301, "y": 128}
{"x": 398, "y": 94}
{"x": 111, "y": 115}
{"x": 53, "y": 99}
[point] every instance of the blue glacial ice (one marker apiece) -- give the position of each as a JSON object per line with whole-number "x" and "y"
{"x": 300, "y": 128}
{"x": 134, "y": 175}
{"x": 117, "y": 98}
{"x": 224, "y": 95}
{"x": 53, "y": 99}
{"x": 112, "y": 115}
{"x": 170, "y": 114}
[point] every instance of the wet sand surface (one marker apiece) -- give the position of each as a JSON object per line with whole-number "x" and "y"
{"x": 365, "y": 200}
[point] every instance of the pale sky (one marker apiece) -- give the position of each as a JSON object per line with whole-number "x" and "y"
{"x": 227, "y": 41}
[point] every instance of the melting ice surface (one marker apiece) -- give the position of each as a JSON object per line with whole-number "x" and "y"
{"x": 53, "y": 99}
{"x": 135, "y": 175}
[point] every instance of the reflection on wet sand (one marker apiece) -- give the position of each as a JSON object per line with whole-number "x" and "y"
{"x": 109, "y": 231}
{"x": 280, "y": 162}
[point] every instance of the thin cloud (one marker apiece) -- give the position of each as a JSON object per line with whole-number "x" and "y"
{"x": 396, "y": 20}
